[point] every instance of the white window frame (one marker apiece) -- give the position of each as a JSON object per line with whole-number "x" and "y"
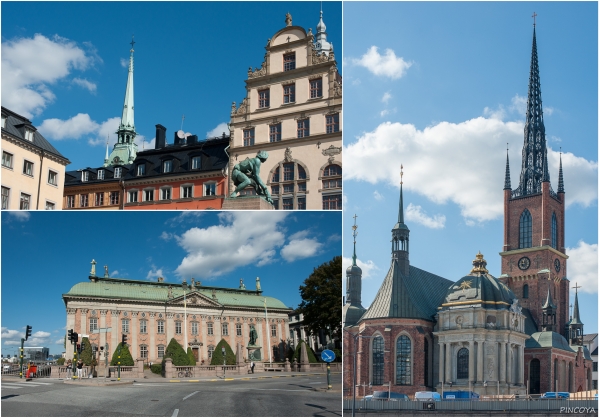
{"x": 28, "y": 135}
{"x": 209, "y": 183}
{"x": 96, "y": 199}
{"x": 118, "y": 172}
{"x": 167, "y": 164}
{"x": 49, "y": 202}
{"x": 93, "y": 328}
{"x": 134, "y": 192}
{"x": 110, "y": 197}
{"x": 141, "y": 169}
{"x": 7, "y": 201}
{"x": 125, "y": 326}
{"x": 182, "y": 193}
{"x": 28, "y": 201}
{"x": 238, "y": 329}
{"x": 164, "y": 191}
{"x": 160, "y": 351}
{"x": 160, "y": 326}
{"x": 85, "y": 176}
{"x": 224, "y": 328}
{"x": 144, "y": 199}
{"x": 4, "y": 118}
{"x": 178, "y": 327}
{"x": 143, "y": 351}
{"x": 209, "y": 328}
{"x": 197, "y": 159}
{"x": 25, "y": 162}
{"x": 50, "y": 172}
{"x": 70, "y": 198}
{"x": 10, "y": 159}
{"x": 143, "y": 326}
{"x": 100, "y": 174}
{"x": 273, "y": 330}
{"x": 194, "y": 328}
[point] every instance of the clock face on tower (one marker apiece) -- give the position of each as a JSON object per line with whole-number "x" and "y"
{"x": 524, "y": 263}
{"x": 557, "y": 265}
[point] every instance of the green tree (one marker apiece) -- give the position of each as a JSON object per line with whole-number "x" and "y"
{"x": 60, "y": 361}
{"x": 322, "y": 297}
{"x": 217, "y": 357}
{"x": 312, "y": 358}
{"x": 86, "y": 354}
{"x": 191, "y": 357}
{"x": 177, "y": 354}
{"x": 126, "y": 358}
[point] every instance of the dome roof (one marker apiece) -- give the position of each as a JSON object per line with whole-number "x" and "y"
{"x": 479, "y": 288}
{"x": 548, "y": 339}
{"x": 354, "y": 269}
{"x": 321, "y": 25}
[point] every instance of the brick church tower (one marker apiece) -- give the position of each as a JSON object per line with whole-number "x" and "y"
{"x": 534, "y": 263}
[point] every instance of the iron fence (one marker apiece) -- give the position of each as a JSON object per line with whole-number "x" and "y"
{"x": 476, "y": 405}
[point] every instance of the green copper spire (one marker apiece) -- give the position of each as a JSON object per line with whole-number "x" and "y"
{"x": 354, "y": 234}
{"x": 401, "y": 208}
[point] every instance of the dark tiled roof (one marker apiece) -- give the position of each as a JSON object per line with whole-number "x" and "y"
{"x": 416, "y": 296}
{"x": 14, "y": 125}
{"x": 548, "y": 339}
{"x": 530, "y": 324}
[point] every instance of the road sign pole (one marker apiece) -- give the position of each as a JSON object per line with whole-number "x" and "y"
{"x": 119, "y": 363}
{"x": 21, "y": 366}
{"x": 328, "y": 376}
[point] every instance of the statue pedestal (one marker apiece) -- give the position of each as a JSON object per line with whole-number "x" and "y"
{"x": 254, "y": 353}
{"x": 246, "y": 203}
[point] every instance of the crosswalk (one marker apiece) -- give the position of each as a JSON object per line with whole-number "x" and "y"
{"x": 20, "y": 385}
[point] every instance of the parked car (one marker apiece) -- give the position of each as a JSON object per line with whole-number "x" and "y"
{"x": 368, "y": 398}
{"x": 555, "y": 395}
{"x": 427, "y": 396}
{"x": 391, "y": 396}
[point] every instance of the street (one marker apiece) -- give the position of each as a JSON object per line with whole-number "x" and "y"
{"x": 264, "y": 396}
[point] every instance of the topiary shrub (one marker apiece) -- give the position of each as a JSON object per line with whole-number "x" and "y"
{"x": 126, "y": 358}
{"x": 217, "y": 357}
{"x": 311, "y": 354}
{"x": 176, "y": 352}
{"x": 191, "y": 357}
{"x": 86, "y": 354}
{"x": 156, "y": 368}
{"x": 60, "y": 361}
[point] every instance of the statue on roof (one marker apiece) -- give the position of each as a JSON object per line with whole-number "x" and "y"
{"x": 288, "y": 19}
{"x": 247, "y": 173}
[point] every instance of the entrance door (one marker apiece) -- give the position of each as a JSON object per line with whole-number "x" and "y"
{"x": 195, "y": 351}
{"x": 534, "y": 376}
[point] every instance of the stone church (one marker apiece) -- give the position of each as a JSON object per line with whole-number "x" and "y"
{"x": 506, "y": 335}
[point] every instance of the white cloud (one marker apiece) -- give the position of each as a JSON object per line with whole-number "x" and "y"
{"x": 31, "y": 65}
{"x": 167, "y": 236}
{"x": 124, "y": 62}
{"x": 386, "y": 97}
{"x": 368, "y": 267}
{"x": 460, "y": 162}
{"x": 218, "y": 130}
{"x": 548, "y": 110}
{"x": 387, "y": 65}
{"x": 155, "y": 273}
{"x": 73, "y": 128}
{"x": 82, "y": 82}
{"x": 583, "y": 266}
{"x": 297, "y": 249}
{"x": 384, "y": 112}
{"x": 19, "y": 216}
{"x": 499, "y": 113}
{"x": 106, "y": 130}
{"x": 416, "y": 214}
{"x": 378, "y": 196}
{"x": 60, "y": 341}
{"x": 519, "y": 105}
{"x": 241, "y": 238}
{"x": 13, "y": 337}
{"x": 115, "y": 273}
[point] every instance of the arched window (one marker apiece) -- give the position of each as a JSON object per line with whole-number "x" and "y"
{"x": 534, "y": 376}
{"x": 525, "y": 291}
{"x": 377, "y": 370}
{"x": 403, "y": 360}
{"x": 462, "y": 364}
{"x": 288, "y": 186}
{"x": 554, "y": 230}
{"x": 525, "y": 230}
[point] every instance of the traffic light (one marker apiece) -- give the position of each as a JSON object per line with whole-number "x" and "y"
{"x": 82, "y": 346}
{"x": 70, "y": 335}
{"x": 124, "y": 339}
{"x": 78, "y": 347}
{"x": 75, "y": 337}
{"x": 27, "y": 332}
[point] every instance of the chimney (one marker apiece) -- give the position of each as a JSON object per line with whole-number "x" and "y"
{"x": 192, "y": 139}
{"x": 161, "y": 137}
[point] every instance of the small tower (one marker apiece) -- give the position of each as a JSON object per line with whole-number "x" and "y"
{"x": 321, "y": 43}
{"x": 400, "y": 234}
{"x": 575, "y": 326}
{"x": 353, "y": 309}
{"x": 549, "y": 314}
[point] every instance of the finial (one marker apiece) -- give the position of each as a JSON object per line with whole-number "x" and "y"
{"x": 576, "y": 287}
{"x": 132, "y": 43}
{"x": 93, "y": 272}
{"x": 354, "y": 234}
{"x": 534, "y": 15}
{"x": 479, "y": 264}
{"x": 401, "y": 173}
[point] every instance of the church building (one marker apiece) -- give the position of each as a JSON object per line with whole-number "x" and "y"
{"x": 495, "y": 336}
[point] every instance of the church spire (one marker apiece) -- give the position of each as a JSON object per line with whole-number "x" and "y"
{"x": 575, "y": 326}
{"x": 507, "y": 173}
{"x": 127, "y": 121}
{"x": 401, "y": 205}
{"x": 549, "y": 303}
{"x": 561, "y": 185}
{"x": 354, "y": 234}
{"x": 534, "y": 167}
{"x": 576, "y": 319}
{"x": 400, "y": 234}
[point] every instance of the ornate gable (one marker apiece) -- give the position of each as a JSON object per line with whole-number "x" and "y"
{"x": 196, "y": 299}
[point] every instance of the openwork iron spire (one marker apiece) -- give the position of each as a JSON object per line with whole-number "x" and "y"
{"x": 534, "y": 167}
{"x": 561, "y": 184}
{"x": 507, "y": 174}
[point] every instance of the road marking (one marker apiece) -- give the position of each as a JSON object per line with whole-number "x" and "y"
{"x": 311, "y": 383}
{"x": 149, "y": 384}
{"x": 37, "y": 383}
{"x": 229, "y": 379}
{"x": 213, "y": 380}
{"x": 190, "y": 395}
{"x": 174, "y": 381}
{"x": 193, "y": 381}
{"x": 175, "y": 412}
{"x": 4, "y": 385}
{"x": 286, "y": 390}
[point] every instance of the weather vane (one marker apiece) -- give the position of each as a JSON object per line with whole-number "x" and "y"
{"x": 534, "y": 15}
{"x": 354, "y": 228}
{"x": 132, "y": 42}
{"x": 401, "y": 173}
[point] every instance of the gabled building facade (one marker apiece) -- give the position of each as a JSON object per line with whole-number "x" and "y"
{"x": 293, "y": 110}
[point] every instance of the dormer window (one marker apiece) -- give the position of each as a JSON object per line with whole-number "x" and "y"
{"x": 29, "y": 135}
{"x": 167, "y": 166}
{"x": 141, "y": 170}
{"x": 85, "y": 176}
{"x": 289, "y": 61}
{"x": 118, "y": 172}
{"x": 100, "y": 174}
{"x": 4, "y": 121}
{"x": 196, "y": 163}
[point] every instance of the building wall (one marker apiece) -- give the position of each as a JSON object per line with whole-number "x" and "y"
{"x": 91, "y": 190}
{"x": 549, "y": 377}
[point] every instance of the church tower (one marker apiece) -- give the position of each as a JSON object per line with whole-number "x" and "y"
{"x": 400, "y": 234}
{"x": 125, "y": 149}
{"x": 575, "y": 326}
{"x": 353, "y": 309}
{"x": 321, "y": 43}
{"x": 534, "y": 263}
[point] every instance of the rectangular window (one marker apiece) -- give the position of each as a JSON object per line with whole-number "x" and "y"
{"x": 332, "y": 184}
{"x": 143, "y": 326}
{"x": 133, "y": 196}
{"x": 288, "y": 188}
{"x": 288, "y": 204}
{"x": 3, "y": 121}
{"x": 303, "y": 128}
{"x": 29, "y": 135}
{"x": 148, "y": 195}
{"x": 289, "y": 61}
{"x": 114, "y": 198}
{"x": 100, "y": 174}
{"x": 85, "y": 176}
{"x": 71, "y": 201}
{"x": 7, "y": 159}
{"x": 274, "y": 189}
{"x": 276, "y": 203}
{"x": 160, "y": 329}
{"x": 141, "y": 169}
{"x": 143, "y": 351}
{"x": 288, "y": 171}
{"x": 194, "y": 328}
{"x": 301, "y": 187}
{"x": 178, "y": 327}
{"x": 210, "y": 189}
{"x": 289, "y": 93}
{"x": 125, "y": 326}
{"x": 99, "y": 199}
{"x": 273, "y": 330}
{"x": 161, "y": 351}
{"x": 332, "y": 202}
{"x": 225, "y": 328}
{"x": 248, "y": 137}
{"x": 50, "y": 206}
{"x": 196, "y": 163}
{"x": 332, "y": 123}
{"x": 316, "y": 88}
{"x": 263, "y": 98}
{"x": 167, "y": 166}
{"x": 302, "y": 203}
{"x": 28, "y": 168}
{"x": 275, "y": 132}
{"x": 5, "y": 197}
{"x": 118, "y": 172}
{"x": 93, "y": 324}
{"x": 595, "y": 366}
{"x": 238, "y": 329}
{"x": 186, "y": 192}
{"x": 165, "y": 194}
{"x": 83, "y": 201}
{"x": 209, "y": 328}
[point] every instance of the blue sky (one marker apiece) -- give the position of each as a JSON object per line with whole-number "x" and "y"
{"x": 64, "y": 64}
{"x": 44, "y": 254}
{"x": 441, "y": 87}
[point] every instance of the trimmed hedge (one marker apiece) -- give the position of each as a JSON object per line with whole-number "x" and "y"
{"x": 312, "y": 358}
{"x": 217, "y": 357}
{"x": 126, "y": 358}
{"x": 177, "y": 354}
{"x": 156, "y": 368}
{"x": 192, "y": 359}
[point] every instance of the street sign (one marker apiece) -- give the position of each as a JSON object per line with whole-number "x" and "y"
{"x": 327, "y": 356}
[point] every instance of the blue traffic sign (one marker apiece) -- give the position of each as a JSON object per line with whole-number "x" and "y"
{"x": 327, "y": 356}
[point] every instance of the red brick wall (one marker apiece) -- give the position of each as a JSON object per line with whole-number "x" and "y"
{"x": 547, "y": 356}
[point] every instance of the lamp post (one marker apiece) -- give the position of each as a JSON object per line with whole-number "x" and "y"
{"x": 224, "y": 360}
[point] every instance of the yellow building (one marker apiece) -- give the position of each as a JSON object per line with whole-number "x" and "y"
{"x": 293, "y": 111}
{"x": 33, "y": 171}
